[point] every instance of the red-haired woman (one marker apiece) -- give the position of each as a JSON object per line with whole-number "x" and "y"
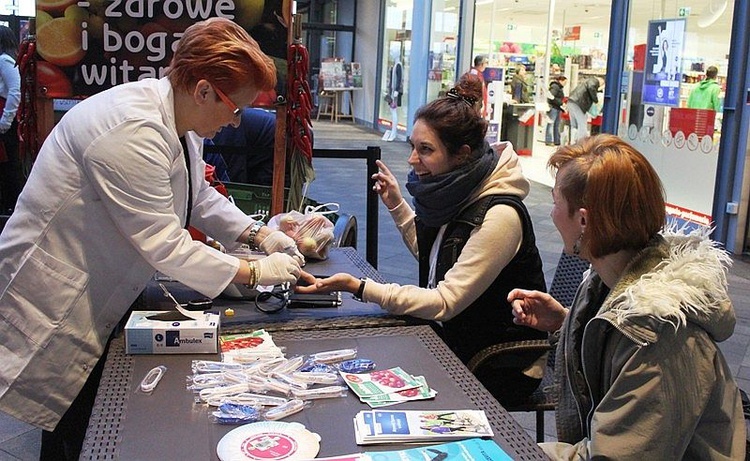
{"x": 107, "y": 204}
{"x": 640, "y": 374}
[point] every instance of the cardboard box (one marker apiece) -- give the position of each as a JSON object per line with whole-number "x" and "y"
{"x": 146, "y": 336}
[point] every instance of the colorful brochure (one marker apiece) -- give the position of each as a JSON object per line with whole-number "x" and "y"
{"x": 380, "y": 382}
{"x": 464, "y": 450}
{"x": 383, "y": 426}
{"x": 248, "y": 347}
{"x": 423, "y": 392}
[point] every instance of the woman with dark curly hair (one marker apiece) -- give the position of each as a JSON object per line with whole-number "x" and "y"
{"x": 471, "y": 233}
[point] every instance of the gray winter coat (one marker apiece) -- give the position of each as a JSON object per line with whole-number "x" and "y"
{"x": 641, "y": 376}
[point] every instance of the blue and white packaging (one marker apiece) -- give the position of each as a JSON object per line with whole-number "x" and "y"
{"x": 194, "y": 336}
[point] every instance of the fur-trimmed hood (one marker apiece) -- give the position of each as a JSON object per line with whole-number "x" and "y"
{"x": 679, "y": 278}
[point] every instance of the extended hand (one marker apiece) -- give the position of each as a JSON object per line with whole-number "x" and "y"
{"x": 337, "y": 282}
{"x": 386, "y": 186}
{"x": 537, "y": 310}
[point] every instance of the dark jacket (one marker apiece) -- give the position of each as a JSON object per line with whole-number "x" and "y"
{"x": 584, "y": 94}
{"x": 396, "y": 82}
{"x": 556, "y": 89}
{"x": 488, "y": 320}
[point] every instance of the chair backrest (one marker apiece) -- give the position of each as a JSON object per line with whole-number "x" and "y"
{"x": 568, "y": 276}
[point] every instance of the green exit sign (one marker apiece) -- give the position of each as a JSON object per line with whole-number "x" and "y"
{"x": 511, "y": 27}
{"x": 684, "y": 12}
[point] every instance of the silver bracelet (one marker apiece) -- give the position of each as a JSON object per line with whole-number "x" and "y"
{"x": 254, "y": 233}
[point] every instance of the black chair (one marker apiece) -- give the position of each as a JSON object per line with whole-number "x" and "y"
{"x": 565, "y": 282}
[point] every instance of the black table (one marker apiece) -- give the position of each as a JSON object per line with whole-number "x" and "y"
{"x": 351, "y": 313}
{"x": 168, "y": 424}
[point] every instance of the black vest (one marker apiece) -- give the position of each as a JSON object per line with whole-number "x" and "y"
{"x": 488, "y": 320}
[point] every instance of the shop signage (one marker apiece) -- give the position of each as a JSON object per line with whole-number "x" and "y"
{"x": 88, "y": 46}
{"x": 663, "y": 67}
{"x": 572, "y": 33}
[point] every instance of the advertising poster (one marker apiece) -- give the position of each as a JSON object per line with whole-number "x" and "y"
{"x": 87, "y": 46}
{"x": 663, "y": 68}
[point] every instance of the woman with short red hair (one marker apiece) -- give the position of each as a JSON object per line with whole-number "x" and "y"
{"x": 641, "y": 376}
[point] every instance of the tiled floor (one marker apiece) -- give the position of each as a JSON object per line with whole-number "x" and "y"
{"x": 19, "y": 441}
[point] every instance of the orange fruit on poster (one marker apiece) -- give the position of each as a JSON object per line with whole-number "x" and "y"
{"x": 54, "y": 7}
{"x": 59, "y": 41}
{"x": 42, "y": 17}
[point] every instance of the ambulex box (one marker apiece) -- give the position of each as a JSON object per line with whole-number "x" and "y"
{"x": 147, "y": 336}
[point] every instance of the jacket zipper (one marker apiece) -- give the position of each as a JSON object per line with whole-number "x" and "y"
{"x": 585, "y": 373}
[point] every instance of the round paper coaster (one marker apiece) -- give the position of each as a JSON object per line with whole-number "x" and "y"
{"x": 267, "y": 440}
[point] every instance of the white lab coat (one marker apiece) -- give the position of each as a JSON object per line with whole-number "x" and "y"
{"x": 104, "y": 207}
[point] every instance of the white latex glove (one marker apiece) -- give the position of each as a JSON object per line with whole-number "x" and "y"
{"x": 279, "y": 242}
{"x": 395, "y": 95}
{"x": 277, "y": 268}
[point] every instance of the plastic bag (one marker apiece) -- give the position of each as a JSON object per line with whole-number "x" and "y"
{"x": 312, "y": 231}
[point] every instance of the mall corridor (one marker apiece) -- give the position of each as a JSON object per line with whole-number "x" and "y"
{"x": 21, "y": 442}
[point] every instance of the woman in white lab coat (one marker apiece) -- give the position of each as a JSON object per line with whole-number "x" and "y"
{"x": 107, "y": 204}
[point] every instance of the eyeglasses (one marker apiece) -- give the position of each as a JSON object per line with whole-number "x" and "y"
{"x": 225, "y": 99}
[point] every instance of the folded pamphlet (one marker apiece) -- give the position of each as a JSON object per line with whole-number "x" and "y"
{"x": 384, "y": 426}
{"x": 464, "y": 450}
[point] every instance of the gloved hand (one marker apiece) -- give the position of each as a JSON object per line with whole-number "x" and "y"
{"x": 277, "y": 268}
{"x": 395, "y": 95}
{"x": 279, "y": 242}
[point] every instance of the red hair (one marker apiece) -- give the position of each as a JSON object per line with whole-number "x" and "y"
{"x": 222, "y": 52}
{"x": 617, "y": 185}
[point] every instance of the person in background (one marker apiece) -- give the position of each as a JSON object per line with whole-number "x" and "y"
{"x": 519, "y": 87}
{"x": 552, "y": 134}
{"x": 480, "y": 63}
{"x": 108, "y": 202}
{"x": 705, "y": 95}
{"x": 247, "y": 149}
{"x": 471, "y": 234}
{"x": 580, "y": 100}
{"x": 395, "y": 93}
{"x": 641, "y": 375}
{"x": 469, "y": 80}
{"x": 10, "y": 96}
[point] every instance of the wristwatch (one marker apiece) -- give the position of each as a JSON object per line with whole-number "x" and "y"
{"x": 254, "y": 233}
{"x": 360, "y": 290}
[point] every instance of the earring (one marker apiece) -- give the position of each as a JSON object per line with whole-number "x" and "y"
{"x": 577, "y": 245}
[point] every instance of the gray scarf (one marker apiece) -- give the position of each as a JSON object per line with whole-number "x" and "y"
{"x": 437, "y": 199}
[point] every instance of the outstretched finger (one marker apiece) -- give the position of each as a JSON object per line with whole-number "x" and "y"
{"x": 383, "y": 168}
